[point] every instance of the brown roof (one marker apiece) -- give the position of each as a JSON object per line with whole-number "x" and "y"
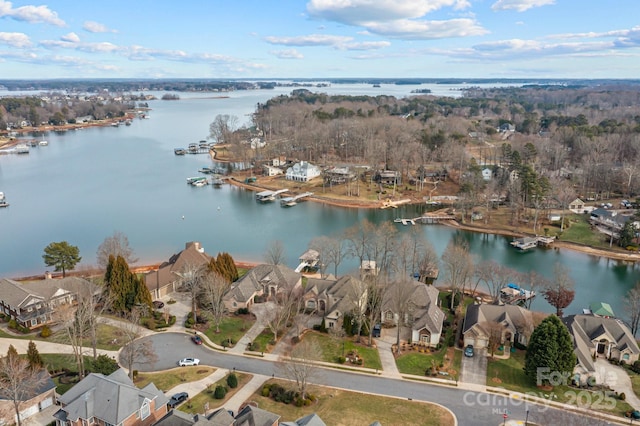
{"x": 192, "y": 256}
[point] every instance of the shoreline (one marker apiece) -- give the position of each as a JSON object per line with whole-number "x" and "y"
{"x": 559, "y": 244}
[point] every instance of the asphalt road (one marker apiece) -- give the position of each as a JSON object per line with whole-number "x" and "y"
{"x": 471, "y": 408}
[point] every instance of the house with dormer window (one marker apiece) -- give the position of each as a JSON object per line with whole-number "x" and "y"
{"x": 109, "y": 401}
{"x": 34, "y": 303}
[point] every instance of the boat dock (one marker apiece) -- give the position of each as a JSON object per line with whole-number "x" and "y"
{"x": 425, "y": 220}
{"x": 292, "y": 201}
{"x": 527, "y": 243}
{"x": 268, "y": 195}
{"x": 393, "y": 204}
{"x": 512, "y": 293}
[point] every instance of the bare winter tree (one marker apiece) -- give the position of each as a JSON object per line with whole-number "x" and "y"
{"x": 376, "y": 292}
{"x": 358, "y": 296}
{"x": 274, "y": 255}
{"x": 533, "y": 281}
{"x": 18, "y": 381}
{"x": 495, "y": 276}
{"x": 301, "y": 367}
{"x": 458, "y": 264}
{"x": 400, "y": 294}
{"x": 75, "y": 322}
{"x": 191, "y": 279}
{"x": 135, "y": 350}
{"x": 331, "y": 250}
{"x": 115, "y": 245}
{"x": 214, "y": 287}
{"x": 494, "y": 334}
{"x": 631, "y": 306}
{"x": 288, "y": 303}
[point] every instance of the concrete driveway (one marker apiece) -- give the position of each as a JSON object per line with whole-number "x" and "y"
{"x": 474, "y": 369}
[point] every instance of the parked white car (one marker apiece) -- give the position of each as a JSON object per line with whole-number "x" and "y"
{"x": 188, "y": 361}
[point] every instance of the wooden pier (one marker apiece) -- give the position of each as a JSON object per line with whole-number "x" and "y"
{"x": 292, "y": 201}
{"x": 266, "y": 196}
{"x": 527, "y": 243}
{"x": 425, "y": 220}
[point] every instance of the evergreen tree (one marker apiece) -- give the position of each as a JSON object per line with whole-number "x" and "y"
{"x": 35, "y": 360}
{"x": 63, "y": 256}
{"x": 124, "y": 289}
{"x": 550, "y": 346}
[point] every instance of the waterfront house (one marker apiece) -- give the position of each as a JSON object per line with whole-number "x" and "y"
{"x": 302, "y": 172}
{"x": 219, "y": 417}
{"x": 110, "y": 400}
{"x": 424, "y": 316}
{"x": 609, "y": 222}
{"x": 35, "y": 401}
{"x": 333, "y": 298}
{"x": 517, "y": 324}
{"x": 261, "y": 283}
{"x": 165, "y": 279}
{"x": 388, "y": 177}
{"x": 597, "y": 336}
{"x": 271, "y": 170}
{"x": 577, "y": 206}
{"x": 338, "y": 175}
{"x": 34, "y": 303}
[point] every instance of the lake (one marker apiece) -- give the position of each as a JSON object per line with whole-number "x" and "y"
{"x": 89, "y": 183}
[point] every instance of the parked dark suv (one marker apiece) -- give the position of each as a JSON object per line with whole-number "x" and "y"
{"x": 376, "y": 330}
{"x": 177, "y": 399}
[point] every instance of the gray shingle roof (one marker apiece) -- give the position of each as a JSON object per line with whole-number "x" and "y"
{"x": 110, "y": 398}
{"x": 192, "y": 256}
{"x": 253, "y": 416}
{"x": 259, "y": 276}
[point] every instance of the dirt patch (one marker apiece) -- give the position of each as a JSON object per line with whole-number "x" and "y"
{"x": 496, "y": 380}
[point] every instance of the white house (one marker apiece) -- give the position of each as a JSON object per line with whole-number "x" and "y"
{"x": 302, "y": 172}
{"x": 271, "y": 171}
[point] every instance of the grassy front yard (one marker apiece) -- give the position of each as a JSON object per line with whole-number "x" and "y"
{"x": 196, "y": 403}
{"x": 332, "y": 406}
{"x": 231, "y": 330}
{"x": 169, "y": 379}
{"x": 509, "y": 374}
{"x": 331, "y": 350}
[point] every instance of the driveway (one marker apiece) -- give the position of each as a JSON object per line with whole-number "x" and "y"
{"x": 617, "y": 379}
{"x": 474, "y": 369}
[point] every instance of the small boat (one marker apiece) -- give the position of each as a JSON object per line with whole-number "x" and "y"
{"x": 115, "y": 124}
{"x": 127, "y": 122}
{"x": 3, "y": 202}
{"x": 22, "y": 148}
{"x": 217, "y": 182}
{"x": 193, "y": 147}
{"x": 206, "y": 170}
{"x": 43, "y": 142}
{"x": 192, "y": 180}
{"x": 200, "y": 183}
{"x": 179, "y": 151}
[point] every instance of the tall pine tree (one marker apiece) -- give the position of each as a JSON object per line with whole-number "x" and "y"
{"x": 124, "y": 289}
{"x": 35, "y": 360}
{"x": 550, "y": 346}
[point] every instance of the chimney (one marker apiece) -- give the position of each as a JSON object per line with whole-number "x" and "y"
{"x": 47, "y": 275}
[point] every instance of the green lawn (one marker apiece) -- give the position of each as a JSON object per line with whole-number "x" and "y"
{"x": 263, "y": 341}
{"x": 169, "y": 379}
{"x": 232, "y": 328}
{"x": 509, "y": 374}
{"x": 332, "y": 404}
{"x": 579, "y": 231}
{"x": 196, "y": 403}
{"x": 330, "y": 349}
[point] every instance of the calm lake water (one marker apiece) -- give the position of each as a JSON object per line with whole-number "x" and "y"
{"x": 87, "y": 184}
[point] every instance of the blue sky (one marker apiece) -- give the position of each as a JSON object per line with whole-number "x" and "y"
{"x": 320, "y": 39}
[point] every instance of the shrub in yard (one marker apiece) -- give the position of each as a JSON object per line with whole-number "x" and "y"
{"x": 45, "y": 332}
{"x": 135, "y": 374}
{"x": 242, "y": 311}
{"x": 636, "y": 367}
{"x": 265, "y": 391}
{"x": 220, "y": 392}
{"x": 254, "y": 346}
{"x": 232, "y": 381}
{"x": 341, "y": 360}
{"x": 622, "y": 396}
{"x": 13, "y": 324}
{"x": 103, "y": 364}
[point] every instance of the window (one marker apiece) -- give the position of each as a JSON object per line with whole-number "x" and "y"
{"x": 30, "y": 309}
{"x": 145, "y": 410}
{"x": 625, "y": 357}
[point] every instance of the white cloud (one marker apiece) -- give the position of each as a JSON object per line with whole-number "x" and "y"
{"x": 71, "y": 37}
{"x": 366, "y": 45}
{"x": 96, "y": 27}
{"x": 520, "y": 5}
{"x": 31, "y": 14}
{"x": 356, "y": 12}
{"x": 287, "y": 54}
{"x": 425, "y": 30}
{"x": 19, "y": 40}
{"x": 309, "y": 40}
